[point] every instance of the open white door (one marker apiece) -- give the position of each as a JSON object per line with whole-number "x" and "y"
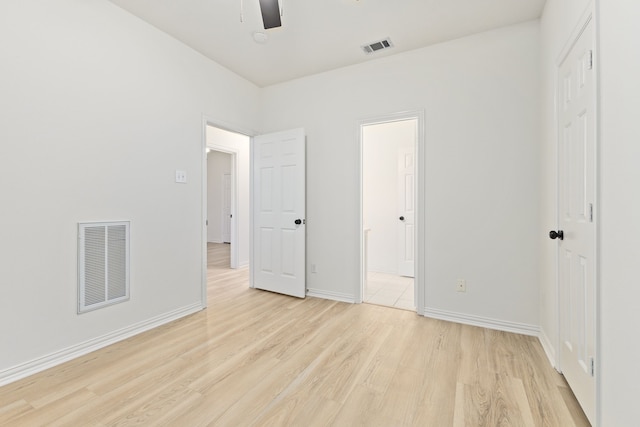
{"x": 406, "y": 211}
{"x": 577, "y": 230}
{"x": 279, "y": 212}
{"x": 226, "y": 208}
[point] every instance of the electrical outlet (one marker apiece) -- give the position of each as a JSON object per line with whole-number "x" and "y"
{"x": 181, "y": 177}
{"x": 313, "y": 268}
{"x": 461, "y": 285}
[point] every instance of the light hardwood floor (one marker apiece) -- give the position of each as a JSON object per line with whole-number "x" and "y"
{"x": 258, "y": 358}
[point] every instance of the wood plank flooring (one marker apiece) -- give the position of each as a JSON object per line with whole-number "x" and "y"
{"x": 255, "y": 358}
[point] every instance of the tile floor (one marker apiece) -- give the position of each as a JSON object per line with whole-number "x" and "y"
{"x": 390, "y": 290}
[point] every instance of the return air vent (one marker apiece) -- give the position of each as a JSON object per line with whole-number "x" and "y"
{"x": 376, "y": 46}
{"x": 103, "y": 264}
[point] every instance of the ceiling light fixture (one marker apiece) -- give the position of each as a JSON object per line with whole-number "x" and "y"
{"x": 260, "y": 37}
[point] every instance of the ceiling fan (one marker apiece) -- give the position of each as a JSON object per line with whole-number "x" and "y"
{"x": 271, "y": 13}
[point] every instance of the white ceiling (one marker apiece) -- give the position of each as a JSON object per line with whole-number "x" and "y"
{"x": 321, "y": 35}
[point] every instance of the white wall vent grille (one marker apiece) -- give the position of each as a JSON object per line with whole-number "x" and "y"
{"x": 103, "y": 264}
{"x": 376, "y": 46}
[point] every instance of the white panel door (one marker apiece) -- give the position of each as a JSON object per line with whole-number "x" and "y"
{"x": 406, "y": 211}
{"x": 577, "y": 244}
{"x": 226, "y": 208}
{"x": 279, "y": 212}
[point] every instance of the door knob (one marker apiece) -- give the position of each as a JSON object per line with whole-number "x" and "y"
{"x": 298, "y": 221}
{"x": 556, "y": 234}
{"x": 401, "y": 218}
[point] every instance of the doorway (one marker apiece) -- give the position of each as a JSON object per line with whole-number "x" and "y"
{"x": 388, "y": 194}
{"x": 226, "y": 192}
{"x": 243, "y": 179}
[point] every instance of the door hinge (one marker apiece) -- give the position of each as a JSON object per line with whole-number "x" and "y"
{"x": 593, "y": 367}
{"x": 590, "y": 60}
{"x": 590, "y": 212}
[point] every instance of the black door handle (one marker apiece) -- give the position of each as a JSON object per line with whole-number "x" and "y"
{"x": 298, "y": 221}
{"x": 556, "y": 234}
{"x": 401, "y": 218}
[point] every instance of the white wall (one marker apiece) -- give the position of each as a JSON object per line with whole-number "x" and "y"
{"x": 381, "y": 145}
{"x": 481, "y": 100}
{"x": 97, "y": 112}
{"x": 241, "y": 145}
{"x": 218, "y": 164}
{"x": 620, "y": 213}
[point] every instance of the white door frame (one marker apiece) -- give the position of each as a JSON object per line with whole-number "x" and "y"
{"x": 419, "y": 271}
{"x": 589, "y": 15}
{"x": 207, "y": 121}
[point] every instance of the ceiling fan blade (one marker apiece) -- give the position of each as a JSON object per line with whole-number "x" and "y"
{"x": 270, "y": 13}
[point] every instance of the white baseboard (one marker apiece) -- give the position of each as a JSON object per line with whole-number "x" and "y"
{"x": 334, "y": 296}
{"x": 548, "y": 348}
{"x": 483, "y": 322}
{"x": 40, "y": 364}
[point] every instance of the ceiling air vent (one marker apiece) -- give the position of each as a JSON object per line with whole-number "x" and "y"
{"x": 376, "y": 46}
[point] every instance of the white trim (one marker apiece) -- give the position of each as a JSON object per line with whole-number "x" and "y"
{"x": 420, "y": 241}
{"x": 334, "y": 296}
{"x": 548, "y": 348}
{"x": 251, "y": 216}
{"x": 203, "y": 201}
{"x": 56, "y": 358}
{"x": 483, "y": 322}
{"x": 585, "y": 18}
{"x": 594, "y": 7}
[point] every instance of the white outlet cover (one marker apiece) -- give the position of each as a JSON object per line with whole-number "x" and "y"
{"x": 181, "y": 177}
